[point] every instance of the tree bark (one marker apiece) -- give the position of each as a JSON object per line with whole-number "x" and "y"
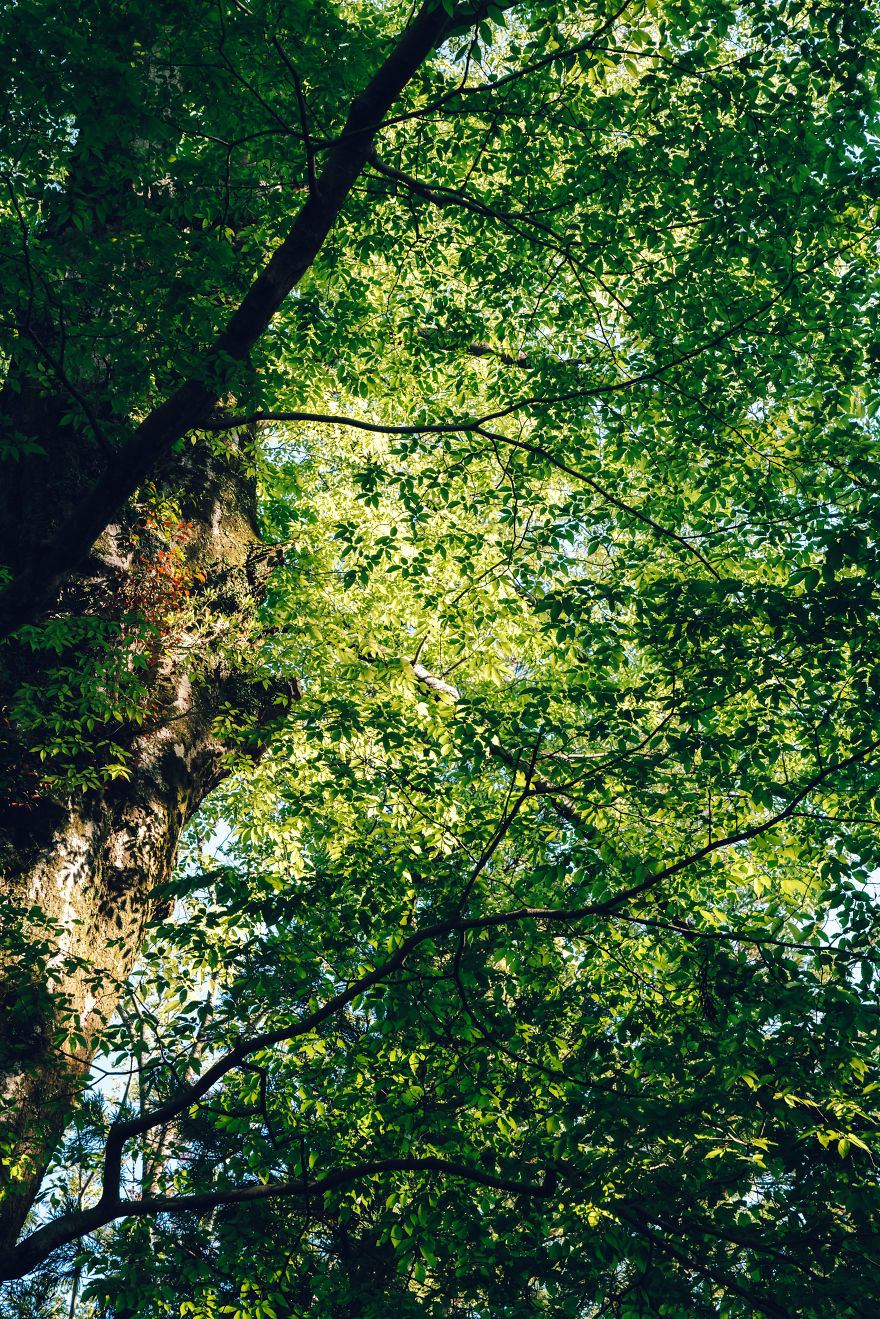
{"x": 81, "y": 859}
{"x": 80, "y": 868}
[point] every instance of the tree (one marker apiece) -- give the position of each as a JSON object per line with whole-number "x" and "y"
{"x": 438, "y": 455}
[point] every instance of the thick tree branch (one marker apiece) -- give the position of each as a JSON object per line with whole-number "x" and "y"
{"x": 61, "y": 1231}
{"x": 189, "y": 407}
{"x": 494, "y": 85}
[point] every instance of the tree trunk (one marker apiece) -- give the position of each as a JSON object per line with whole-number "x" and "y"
{"x": 80, "y": 865}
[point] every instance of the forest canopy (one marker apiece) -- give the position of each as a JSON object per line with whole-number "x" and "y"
{"x": 440, "y": 661}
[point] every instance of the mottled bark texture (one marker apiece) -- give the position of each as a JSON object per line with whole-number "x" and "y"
{"x": 88, "y": 859}
{"x": 80, "y": 867}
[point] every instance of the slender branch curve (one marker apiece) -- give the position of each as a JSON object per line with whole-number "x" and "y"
{"x": 475, "y": 426}
{"x": 40, "y": 1244}
{"x": 61, "y": 1231}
